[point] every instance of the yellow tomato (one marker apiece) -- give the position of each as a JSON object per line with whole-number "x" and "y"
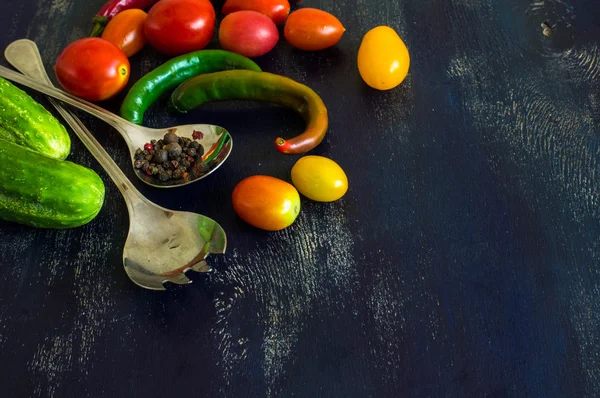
{"x": 319, "y": 178}
{"x": 383, "y": 59}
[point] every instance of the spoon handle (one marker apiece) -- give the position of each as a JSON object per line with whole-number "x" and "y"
{"x": 21, "y": 57}
{"x": 24, "y": 56}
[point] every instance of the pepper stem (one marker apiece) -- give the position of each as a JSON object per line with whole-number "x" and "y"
{"x": 99, "y": 25}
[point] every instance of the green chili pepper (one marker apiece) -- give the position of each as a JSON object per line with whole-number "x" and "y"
{"x": 174, "y": 72}
{"x": 258, "y": 86}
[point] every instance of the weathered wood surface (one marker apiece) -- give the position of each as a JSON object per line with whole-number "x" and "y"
{"x": 462, "y": 262}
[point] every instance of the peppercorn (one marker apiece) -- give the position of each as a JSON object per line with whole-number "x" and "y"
{"x": 174, "y": 150}
{"x": 163, "y": 176}
{"x": 191, "y": 152}
{"x": 202, "y": 167}
{"x": 174, "y": 164}
{"x": 170, "y": 137}
{"x": 161, "y": 156}
{"x": 185, "y": 163}
{"x": 138, "y": 164}
{"x": 138, "y": 152}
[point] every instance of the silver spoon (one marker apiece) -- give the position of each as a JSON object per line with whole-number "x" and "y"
{"x": 210, "y": 136}
{"x": 162, "y": 244}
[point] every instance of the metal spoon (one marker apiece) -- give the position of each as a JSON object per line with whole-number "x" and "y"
{"x": 162, "y": 244}
{"x": 210, "y": 136}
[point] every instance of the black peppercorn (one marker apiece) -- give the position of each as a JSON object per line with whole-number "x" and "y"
{"x": 161, "y": 156}
{"x": 170, "y": 137}
{"x": 163, "y": 176}
{"x": 174, "y": 150}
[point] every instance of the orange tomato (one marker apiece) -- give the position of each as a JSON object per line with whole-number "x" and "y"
{"x": 266, "y": 202}
{"x": 93, "y": 69}
{"x": 311, "y": 29}
{"x": 126, "y": 31}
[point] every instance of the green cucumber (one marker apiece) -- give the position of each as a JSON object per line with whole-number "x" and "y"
{"x": 42, "y": 192}
{"x": 27, "y": 123}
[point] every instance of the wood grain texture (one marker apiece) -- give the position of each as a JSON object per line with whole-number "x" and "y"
{"x": 462, "y": 262}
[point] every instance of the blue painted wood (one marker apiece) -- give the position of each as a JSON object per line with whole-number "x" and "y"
{"x": 462, "y": 262}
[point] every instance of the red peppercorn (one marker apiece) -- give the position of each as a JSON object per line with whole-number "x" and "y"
{"x": 148, "y": 147}
{"x": 197, "y": 135}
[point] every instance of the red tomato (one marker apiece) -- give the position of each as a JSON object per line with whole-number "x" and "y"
{"x": 311, "y": 29}
{"x": 266, "y": 202}
{"x": 93, "y": 69}
{"x": 248, "y": 33}
{"x": 176, "y": 27}
{"x": 277, "y": 10}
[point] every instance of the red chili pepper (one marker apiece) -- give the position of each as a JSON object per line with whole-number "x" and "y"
{"x": 112, "y": 8}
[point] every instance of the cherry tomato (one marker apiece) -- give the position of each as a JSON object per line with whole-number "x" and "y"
{"x": 266, "y": 202}
{"x": 383, "y": 59}
{"x": 93, "y": 69}
{"x": 311, "y": 29}
{"x": 319, "y": 178}
{"x": 176, "y": 27}
{"x": 248, "y": 33}
{"x": 126, "y": 31}
{"x": 277, "y": 10}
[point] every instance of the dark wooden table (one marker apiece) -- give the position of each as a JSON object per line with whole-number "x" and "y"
{"x": 464, "y": 260}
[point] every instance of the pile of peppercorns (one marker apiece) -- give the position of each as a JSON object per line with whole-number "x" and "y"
{"x": 169, "y": 158}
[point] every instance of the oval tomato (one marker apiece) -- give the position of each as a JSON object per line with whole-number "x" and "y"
{"x": 126, "y": 31}
{"x": 383, "y": 59}
{"x": 319, "y": 178}
{"x": 277, "y": 10}
{"x": 266, "y": 202}
{"x": 93, "y": 69}
{"x": 176, "y": 27}
{"x": 311, "y": 29}
{"x": 248, "y": 33}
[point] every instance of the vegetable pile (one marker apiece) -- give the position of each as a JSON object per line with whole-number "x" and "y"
{"x": 97, "y": 68}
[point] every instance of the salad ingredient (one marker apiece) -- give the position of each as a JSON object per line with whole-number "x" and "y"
{"x": 93, "y": 69}
{"x": 113, "y": 8}
{"x": 248, "y": 33}
{"x": 319, "y": 178}
{"x": 259, "y": 86}
{"x": 176, "y": 27}
{"x": 266, "y": 202}
{"x": 311, "y": 29}
{"x": 25, "y": 122}
{"x": 126, "y": 31}
{"x": 276, "y": 10}
{"x": 43, "y": 192}
{"x": 174, "y": 72}
{"x": 383, "y": 59}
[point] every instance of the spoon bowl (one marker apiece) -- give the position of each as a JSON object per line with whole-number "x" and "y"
{"x": 215, "y": 141}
